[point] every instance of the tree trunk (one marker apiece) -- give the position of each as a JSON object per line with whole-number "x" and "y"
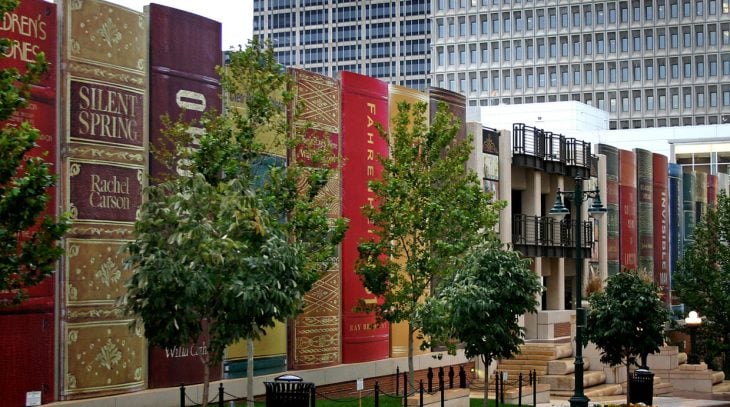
{"x": 206, "y": 382}
{"x": 486, "y": 363}
{"x": 249, "y": 372}
{"x": 205, "y": 358}
{"x": 411, "y": 374}
{"x": 628, "y": 383}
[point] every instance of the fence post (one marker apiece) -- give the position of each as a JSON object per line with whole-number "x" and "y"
{"x": 182, "y": 395}
{"x": 377, "y": 394}
{"x": 519, "y": 392}
{"x": 462, "y": 377}
{"x": 451, "y": 377}
{"x": 441, "y": 386}
{"x": 429, "y": 376}
{"x": 496, "y": 388}
{"x": 420, "y": 393}
{"x": 501, "y": 390}
{"x": 397, "y": 380}
{"x": 405, "y": 389}
{"x": 220, "y": 395}
{"x": 534, "y": 388}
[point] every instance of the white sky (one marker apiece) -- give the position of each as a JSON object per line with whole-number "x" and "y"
{"x": 236, "y": 16}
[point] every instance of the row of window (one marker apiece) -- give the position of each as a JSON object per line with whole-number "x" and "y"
{"x": 374, "y": 50}
{"x": 582, "y": 45}
{"x": 598, "y": 74}
{"x": 613, "y": 12}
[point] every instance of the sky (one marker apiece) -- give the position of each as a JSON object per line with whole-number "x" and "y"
{"x": 236, "y": 16}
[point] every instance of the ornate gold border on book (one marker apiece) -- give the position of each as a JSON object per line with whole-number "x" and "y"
{"x": 107, "y": 73}
{"x": 102, "y": 357}
{"x": 95, "y": 273}
{"x": 122, "y": 231}
{"x": 104, "y": 154}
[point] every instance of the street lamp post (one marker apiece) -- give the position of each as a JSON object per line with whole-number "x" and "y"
{"x": 578, "y": 196}
{"x": 693, "y": 321}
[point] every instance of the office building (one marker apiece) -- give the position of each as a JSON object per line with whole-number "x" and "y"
{"x": 648, "y": 63}
{"x": 383, "y": 39}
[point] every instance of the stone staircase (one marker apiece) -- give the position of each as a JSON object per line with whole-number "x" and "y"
{"x": 689, "y": 380}
{"x": 554, "y": 364}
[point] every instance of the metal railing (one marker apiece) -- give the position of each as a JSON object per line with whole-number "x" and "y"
{"x": 549, "y": 232}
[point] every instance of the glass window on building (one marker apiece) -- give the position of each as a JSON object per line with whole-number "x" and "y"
{"x": 600, "y": 73}
{"x": 600, "y": 17}
{"x": 599, "y": 44}
{"x": 700, "y": 66}
{"x": 612, "y": 13}
{"x": 649, "y": 39}
{"x": 712, "y": 62}
{"x": 662, "y": 68}
{"x": 660, "y": 11}
{"x": 686, "y": 8}
{"x": 687, "y": 96}
{"x": 700, "y": 98}
{"x": 648, "y": 11}
{"x": 649, "y": 68}
{"x": 650, "y": 102}
{"x": 674, "y": 38}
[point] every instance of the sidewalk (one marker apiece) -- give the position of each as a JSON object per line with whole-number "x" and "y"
{"x": 657, "y": 401}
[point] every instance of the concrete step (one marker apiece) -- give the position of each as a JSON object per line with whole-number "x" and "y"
{"x": 663, "y": 389}
{"x": 535, "y": 356}
{"x": 723, "y": 387}
{"x": 567, "y": 382}
{"x": 598, "y": 391}
{"x": 565, "y": 366}
{"x": 514, "y": 372}
{"x": 522, "y": 362}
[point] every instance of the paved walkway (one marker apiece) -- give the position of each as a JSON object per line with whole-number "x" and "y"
{"x": 657, "y": 401}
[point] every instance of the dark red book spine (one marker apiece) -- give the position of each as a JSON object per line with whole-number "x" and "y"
{"x": 183, "y": 81}
{"x": 27, "y": 331}
{"x": 364, "y": 103}
{"x": 660, "y": 180}
{"x": 627, "y": 202}
{"x": 711, "y": 190}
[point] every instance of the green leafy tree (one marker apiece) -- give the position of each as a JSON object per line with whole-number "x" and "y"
{"x": 480, "y": 305}
{"x": 626, "y": 320}
{"x": 233, "y": 244}
{"x": 702, "y": 281}
{"x": 28, "y": 237}
{"x": 430, "y": 210}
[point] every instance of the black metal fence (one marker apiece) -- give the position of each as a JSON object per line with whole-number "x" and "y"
{"x": 437, "y": 382}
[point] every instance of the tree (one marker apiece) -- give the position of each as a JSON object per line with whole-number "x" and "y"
{"x": 233, "y": 244}
{"x": 28, "y": 236}
{"x": 702, "y": 280}
{"x": 430, "y": 210}
{"x": 626, "y": 320}
{"x": 482, "y": 303}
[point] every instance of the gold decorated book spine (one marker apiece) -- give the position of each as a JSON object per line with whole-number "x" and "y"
{"x": 104, "y": 162}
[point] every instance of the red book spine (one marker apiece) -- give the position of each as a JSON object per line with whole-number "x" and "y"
{"x": 627, "y": 202}
{"x": 660, "y": 179}
{"x": 183, "y": 81}
{"x": 364, "y": 103}
{"x": 28, "y": 330}
{"x": 711, "y": 189}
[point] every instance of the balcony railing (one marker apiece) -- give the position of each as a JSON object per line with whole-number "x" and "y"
{"x": 544, "y": 236}
{"x": 536, "y": 148}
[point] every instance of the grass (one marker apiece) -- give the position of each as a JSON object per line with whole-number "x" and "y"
{"x": 369, "y": 402}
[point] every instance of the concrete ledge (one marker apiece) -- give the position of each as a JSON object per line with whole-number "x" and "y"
{"x": 170, "y": 396}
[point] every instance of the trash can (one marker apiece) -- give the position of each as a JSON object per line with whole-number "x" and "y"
{"x": 289, "y": 391}
{"x": 641, "y": 387}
